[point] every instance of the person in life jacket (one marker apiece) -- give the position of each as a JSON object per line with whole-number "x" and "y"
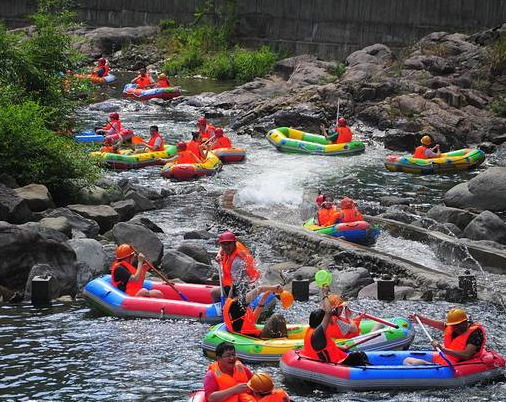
{"x": 463, "y": 339}
{"x": 196, "y": 146}
{"x": 163, "y": 81}
{"x": 143, "y": 80}
{"x": 206, "y": 130}
{"x": 226, "y": 378}
{"x": 343, "y": 325}
{"x": 184, "y": 155}
{"x": 126, "y": 277}
{"x": 109, "y": 144}
{"x": 424, "y": 151}
{"x": 327, "y": 214}
{"x": 240, "y": 317}
{"x": 318, "y": 345}
{"x": 155, "y": 143}
{"x": 101, "y": 69}
{"x": 341, "y": 134}
{"x": 262, "y": 389}
{"x": 349, "y": 212}
{"x": 220, "y": 140}
{"x": 112, "y": 127}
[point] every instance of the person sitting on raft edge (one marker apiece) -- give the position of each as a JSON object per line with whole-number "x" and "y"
{"x": 184, "y": 155}
{"x": 196, "y": 146}
{"x": 424, "y": 152}
{"x": 163, "y": 81}
{"x": 206, "y": 129}
{"x": 101, "y": 69}
{"x": 156, "y": 142}
{"x": 327, "y": 214}
{"x": 220, "y": 140}
{"x": 341, "y": 134}
{"x": 349, "y": 212}
{"x": 463, "y": 339}
{"x": 143, "y": 80}
{"x": 126, "y": 277}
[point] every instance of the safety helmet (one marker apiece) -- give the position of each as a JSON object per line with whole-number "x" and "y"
{"x": 181, "y": 146}
{"x": 347, "y": 203}
{"x": 425, "y": 140}
{"x": 227, "y": 237}
{"x": 261, "y": 383}
{"x": 201, "y": 120}
{"x": 162, "y": 75}
{"x": 218, "y": 132}
{"x": 335, "y": 300}
{"x": 341, "y": 122}
{"x": 114, "y": 115}
{"x": 102, "y": 61}
{"x": 455, "y": 316}
{"x": 286, "y": 298}
{"x": 124, "y": 250}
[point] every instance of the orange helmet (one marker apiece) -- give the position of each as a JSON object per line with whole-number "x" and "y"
{"x": 261, "y": 383}
{"x": 124, "y": 250}
{"x": 455, "y": 316}
{"x": 347, "y": 203}
{"x": 336, "y": 301}
{"x": 286, "y": 298}
{"x": 425, "y": 140}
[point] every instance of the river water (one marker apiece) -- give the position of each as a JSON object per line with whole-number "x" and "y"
{"x": 66, "y": 353}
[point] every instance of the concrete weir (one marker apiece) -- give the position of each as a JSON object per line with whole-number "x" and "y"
{"x": 305, "y": 247}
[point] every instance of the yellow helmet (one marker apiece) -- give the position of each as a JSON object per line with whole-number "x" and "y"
{"x": 261, "y": 383}
{"x": 455, "y": 316}
{"x": 425, "y": 140}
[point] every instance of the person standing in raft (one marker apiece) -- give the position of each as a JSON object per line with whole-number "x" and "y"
{"x": 126, "y": 277}
{"x": 262, "y": 389}
{"x": 102, "y": 68}
{"x": 341, "y": 134}
{"x": 463, "y": 339}
{"x": 184, "y": 155}
{"x": 327, "y": 214}
{"x": 349, "y": 212}
{"x": 112, "y": 127}
{"x": 424, "y": 152}
{"x": 143, "y": 80}
{"x": 226, "y": 378}
{"x": 163, "y": 81}
{"x": 239, "y": 316}
{"x": 206, "y": 130}
{"x": 220, "y": 140}
{"x": 156, "y": 142}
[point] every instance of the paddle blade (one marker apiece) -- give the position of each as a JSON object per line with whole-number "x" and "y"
{"x": 137, "y": 140}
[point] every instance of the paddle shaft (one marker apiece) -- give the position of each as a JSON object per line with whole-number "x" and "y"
{"x": 362, "y": 341}
{"x": 441, "y": 353}
{"x": 337, "y": 113}
{"x": 384, "y": 322}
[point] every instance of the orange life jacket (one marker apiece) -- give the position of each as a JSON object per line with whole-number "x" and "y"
{"x": 227, "y": 260}
{"x": 208, "y": 132}
{"x": 114, "y": 124}
{"x": 111, "y": 149}
{"x": 226, "y": 381}
{"x": 249, "y": 320}
{"x": 142, "y": 82}
{"x": 327, "y": 217}
{"x": 459, "y": 343}
{"x": 98, "y": 68}
{"x": 222, "y": 142}
{"x": 330, "y": 354}
{"x": 277, "y": 395}
{"x": 333, "y": 330}
{"x": 344, "y": 135}
{"x": 420, "y": 152}
{"x": 187, "y": 157}
{"x": 163, "y": 83}
{"x": 152, "y": 140}
{"x": 132, "y": 287}
{"x": 349, "y": 215}
{"x": 194, "y": 146}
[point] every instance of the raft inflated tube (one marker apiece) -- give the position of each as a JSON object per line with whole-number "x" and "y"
{"x": 289, "y": 140}
{"x": 132, "y": 91}
{"x": 360, "y": 232}
{"x": 462, "y": 159}
{"x": 98, "y": 80}
{"x": 88, "y": 136}
{"x": 230, "y": 155}
{"x": 388, "y": 373}
{"x": 126, "y": 159}
{"x": 190, "y": 171}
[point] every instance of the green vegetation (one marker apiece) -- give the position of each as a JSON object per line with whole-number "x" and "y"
{"x": 497, "y": 54}
{"x": 498, "y": 106}
{"x": 34, "y": 108}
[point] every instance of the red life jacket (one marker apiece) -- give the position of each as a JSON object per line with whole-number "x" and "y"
{"x": 330, "y": 354}
{"x": 194, "y": 146}
{"x": 152, "y": 140}
{"x": 459, "y": 343}
{"x": 333, "y": 330}
{"x": 344, "y": 135}
{"x": 208, "y": 132}
{"x": 97, "y": 69}
{"x": 226, "y": 381}
{"x": 277, "y": 395}
{"x": 327, "y": 217}
{"x": 163, "y": 83}
{"x": 142, "y": 82}
{"x": 249, "y": 320}
{"x": 132, "y": 287}
{"x": 187, "y": 157}
{"x": 349, "y": 215}
{"x": 222, "y": 142}
{"x": 115, "y": 125}
{"x": 420, "y": 152}
{"x": 227, "y": 260}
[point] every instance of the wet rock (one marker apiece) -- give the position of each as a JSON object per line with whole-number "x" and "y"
{"x": 125, "y": 209}
{"x": 390, "y": 200}
{"x": 13, "y": 208}
{"x": 146, "y": 222}
{"x": 452, "y": 229}
{"x": 305, "y": 273}
{"x": 303, "y": 70}
{"x": 90, "y": 253}
{"x": 146, "y": 192}
{"x": 274, "y": 274}
{"x": 106, "y": 40}
{"x": 198, "y": 234}
{"x": 366, "y": 62}
{"x": 46, "y": 231}
{"x": 314, "y": 289}
{"x": 65, "y": 282}
{"x": 459, "y": 217}
{"x": 60, "y": 224}
{"x": 77, "y": 222}
{"x": 93, "y": 195}
{"x": 348, "y": 283}
{"x": 141, "y": 238}
{"x": 104, "y": 215}
{"x": 195, "y": 251}
{"x": 486, "y": 226}
{"x": 105, "y": 106}
{"x": 178, "y": 265}
{"x": 400, "y": 140}
{"x": 371, "y": 292}
{"x": 141, "y": 203}
{"x": 37, "y": 197}
{"x": 487, "y": 191}
{"x": 487, "y": 147}
{"x": 396, "y": 215}
{"x": 8, "y": 180}
{"x": 5, "y": 294}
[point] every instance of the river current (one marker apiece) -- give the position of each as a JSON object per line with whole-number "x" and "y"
{"x": 67, "y": 353}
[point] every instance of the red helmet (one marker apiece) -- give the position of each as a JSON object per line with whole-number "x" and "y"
{"x": 347, "y": 203}
{"x": 341, "y": 122}
{"x": 181, "y": 146}
{"x": 218, "y": 132}
{"x": 124, "y": 250}
{"x": 201, "y": 120}
{"x": 227, "y": 237}
{"x": 102, "y": 61}
{"x": 114, "y": 116}
{"x": 320, "y": 199}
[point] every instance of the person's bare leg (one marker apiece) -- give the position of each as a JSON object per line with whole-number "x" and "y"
{"x": 155, "y": 293}
{"x": 413, "y": 361}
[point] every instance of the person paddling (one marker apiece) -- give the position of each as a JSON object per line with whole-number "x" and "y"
{"x": 143, "y": 80}
{"x": 163, "y": 81}
{"x": 220, "y": 140}
{"x": 102, "y": 69}
{"x": 156, "y": 142}
{"x": 424, "y": 151}
{"x": 341, "y": 134}
{"x": 206, "y": 130}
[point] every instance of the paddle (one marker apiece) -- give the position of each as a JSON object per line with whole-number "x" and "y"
{"x": 441, "y": 353}
{"x": 384, "y": 322}
{"x": 362, "y": 341}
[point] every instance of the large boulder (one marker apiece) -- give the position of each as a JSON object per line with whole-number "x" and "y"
{"x": 400, "y": 292}
{"x": 104, "y": 215}
{"x": 458, "y": 217}
{"x": 22, "y": 247}
{"x": 487, "y": 191}
{"x": 37, "y": 197}
{"x": 106, "y": 40}
{"x": 125, "y": 209}
{"x": 64, "y": 280}
{"x": 59, "y": 223}
{"x": 198, "y": 234}
{"x": 141, "y": 238}
{"x": 348, "y": 283}
{"x": 195, "y": 251}
{"x": 90, "y": 252}
{"x": 77, "y": 222}
{"x": 178, "y": 265}
{"x": 141, "y": 203}
{"x": 13, "y": 208}
{"x": 93, "y": 195}
{"x": 148, "y": 223}
{"x": 486, "y": 226}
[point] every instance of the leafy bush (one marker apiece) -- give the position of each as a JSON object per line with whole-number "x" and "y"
{"x": 498, "y": 107}
{"x": 251, "y": 64}
{"x": 497, "y": 54}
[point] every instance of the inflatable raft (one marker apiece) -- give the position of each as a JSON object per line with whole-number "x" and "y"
{"x": 255, "y": 350}
{"x": 230, "y": 155}
{"x": 360, "y": 232}
{"x": 126, "y": 159}
{"x": 286, "y": 139}
{"x": 189, "y": 171}
{"x": 98, "y": 80}
{"x": 462, "y": 159}
{"x": 388, "y": 373}
{"x": 131, "y": 91}
{"x": 88, "y": 136}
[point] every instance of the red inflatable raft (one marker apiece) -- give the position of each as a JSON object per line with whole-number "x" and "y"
{"x": 230, "y": 155}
